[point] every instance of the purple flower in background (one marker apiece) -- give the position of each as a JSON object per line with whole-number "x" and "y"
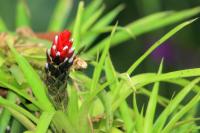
{"x": 166, "y": 51}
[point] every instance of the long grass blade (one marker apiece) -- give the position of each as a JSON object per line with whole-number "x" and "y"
{"x": 139, "y": 116}
{"x": 100, "y": 24}
{"x": 3, "y": 27}
{"x": 32, "y": 78}
{"x": 77, "y": 26}
{"x": 149, "y": 51}
{"x": 16, "y": 127}
{"x": 23, "y": 16}
{"x": 20, "y": 93}
{"x": 125, "y": 114}
{"x": 5, "y": 114}
{"x": 62, "y": 122}
{"x": 124, "y": 109}
{"x": 150, "y": 78}
{"x": 150, "y": 112}
{"x": 72, "y": 110}
{"x": 145, "y": 79}
{"x": 172, "y": 106}
{"x": 94, "y": 83}
{"x": 157, "y": 44}
{"x": 92, "y": 20}
{"x": 161, "y": 100}
{"x": 44, "y": 122}
{"x": 8, "y": 104}
{"x": 91, "y": 8}
{"x": 60, "y": 15}
{"x": 180, "y": 114}
{"x": 99, "y": 67}
{"x": 106, "y": 100}
{"x": 111, "y": 75}
{"x": 147, "y": 24}
{"x": 184, "y": 82}
{"x": 22, "y": 119}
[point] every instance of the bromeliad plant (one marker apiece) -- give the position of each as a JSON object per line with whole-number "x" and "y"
{"x": 59, "y": 60}
{"x": 91, "y": 105}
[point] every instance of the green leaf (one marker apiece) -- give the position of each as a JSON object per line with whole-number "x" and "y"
{"x": 139, "y": 81}
{"x": 157, "y": 44}
{"x": 22, "y": 119}
{"x": 32, "y": 78}
{"x": 106, "y": 100}
{"x": 124, "y": 109}
{"x": 6, "y": 77}
{"x": 17, "y": 73}
{"x": 186, "y": 122}
{"x": 147, "y": 24}
{"x": 161, "y": 100}
{"x": 94, "y": 89}
{"x": 16, "y": 127}
{"x": 91, "y": 8}
{"x": 44, "y": 122}
{"x": 100, "y": 24}
{"x": 8, "y": 82}
{"x": 60, "y": 15}
{"x": 5, "y": 114}
{"x": 19, "y": 92}
{"x": 172, "y": 106}
{"x": 108, "y": 18}
{"x": 184, "y": 82}
{"x": 99, "y": 67}
{"x": 8, "y": 104}
{"x": 125, "y": 114}
{"x": 94, "y": 93}
{"x": 3, "y": 27}
{"x": 169, "y": 78}
{"x": 92, "y": 20}
{"x": 72, "y": 108}
{"x": 61, "y": 121}
{"x": 139, "y": 117}
{"x": 77, "y": 26}
{"x": 22, "y": 16}
{"x": 82, "y": 78}
{"x": 111, "y": 75}
{"x": 180, "y": 114}
{"x": 151, "y": 107}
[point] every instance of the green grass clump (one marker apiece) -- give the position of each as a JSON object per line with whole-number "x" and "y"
{"x": 96, "y": 105}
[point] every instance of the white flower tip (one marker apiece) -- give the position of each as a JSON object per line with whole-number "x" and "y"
{"x": 66, "y": 47}
{"x": 71, "y": 49}
{"x": 48, "y": 52}
{"x": 56, "y": 39}
{"x": 58, "y": 54}
{"x": 71, "y": 59}
{"x": 65, "y": 59}
{"x": 54, "y": 47}
{"x": 46, "y": 65}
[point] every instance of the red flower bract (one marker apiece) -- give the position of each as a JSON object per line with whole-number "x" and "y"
{"x": 61, "y": 49}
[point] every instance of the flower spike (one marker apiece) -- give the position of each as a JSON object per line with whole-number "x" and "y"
{"x": 60, "y": 58}
{"x": 62, "y": 47}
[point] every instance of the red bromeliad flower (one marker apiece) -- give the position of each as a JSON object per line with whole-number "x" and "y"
{"x": 61, "y": 49}
{"x": 60, "y": 56}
